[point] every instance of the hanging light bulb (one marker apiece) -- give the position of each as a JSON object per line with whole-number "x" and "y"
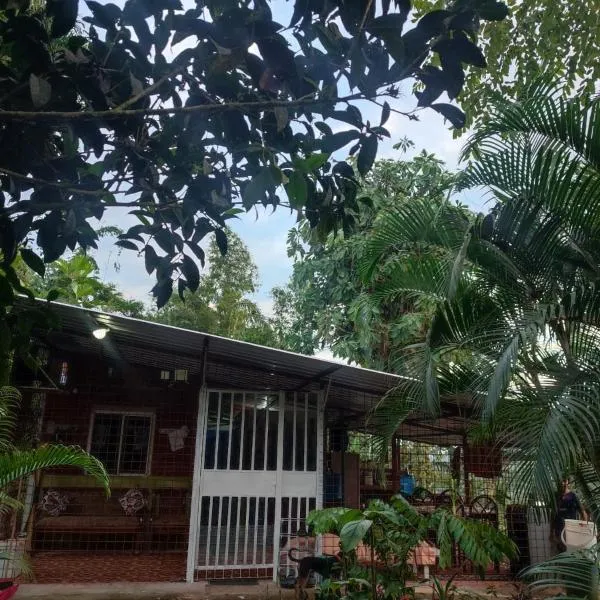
{"x": 100, "y": 333}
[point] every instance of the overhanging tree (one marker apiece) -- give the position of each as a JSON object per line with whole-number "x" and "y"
{"x": 186, "y": 117}
{"x": 327, "y": 302}
{"x": 222, "y": 302}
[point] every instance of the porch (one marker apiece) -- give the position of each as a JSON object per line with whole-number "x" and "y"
{"x": 218, "y": 450}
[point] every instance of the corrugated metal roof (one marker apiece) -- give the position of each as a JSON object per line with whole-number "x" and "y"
{"x": 231, "y": 364}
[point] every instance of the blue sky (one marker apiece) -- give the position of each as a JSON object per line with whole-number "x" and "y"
{"x": 265, "y": 231}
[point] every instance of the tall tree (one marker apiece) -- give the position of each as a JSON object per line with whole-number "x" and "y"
{"x": 330, "y": 302}
{"x": 516, "y": 323}
{"x": 221, "y": 303}
{"x": 76, "y": 280}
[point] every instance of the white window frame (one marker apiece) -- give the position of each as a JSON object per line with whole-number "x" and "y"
{"x": 123, "y": 412}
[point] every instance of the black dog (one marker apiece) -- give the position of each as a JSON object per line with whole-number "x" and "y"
{"x": 322, "y": 565}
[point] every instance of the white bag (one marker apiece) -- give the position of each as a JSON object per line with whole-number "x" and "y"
{"x": 579, "y": 535}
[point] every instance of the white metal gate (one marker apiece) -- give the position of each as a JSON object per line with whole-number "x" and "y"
{"x": 258, "y": 468}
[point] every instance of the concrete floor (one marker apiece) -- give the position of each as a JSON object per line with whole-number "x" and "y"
{"x": 264, "y": 590}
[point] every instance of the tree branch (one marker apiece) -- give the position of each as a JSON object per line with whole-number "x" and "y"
{"x": 68, "y": 187}
{"x": 151, "y": 88}
{"x": 9, "y": 115}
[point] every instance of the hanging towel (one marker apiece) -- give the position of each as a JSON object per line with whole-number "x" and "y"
{"x": 177, "y": 438}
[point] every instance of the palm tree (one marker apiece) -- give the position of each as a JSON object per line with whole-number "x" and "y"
{"x": 517, "y": 319}
{"x": 17, "y": 463}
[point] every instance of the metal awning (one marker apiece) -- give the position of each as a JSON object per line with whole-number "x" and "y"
{"x": 232, "y": 364}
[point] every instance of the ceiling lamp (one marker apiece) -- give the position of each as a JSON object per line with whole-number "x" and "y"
{"x": 100, "y": 332}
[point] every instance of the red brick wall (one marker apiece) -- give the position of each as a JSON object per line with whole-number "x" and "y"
{"x": 89, "y": 387}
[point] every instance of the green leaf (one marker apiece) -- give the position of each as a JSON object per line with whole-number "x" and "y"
{"x": 63, "y": 14}
{"x": 367, "y": 154}
{"x": 17, "y": 464}
{"x": 162, "y": 291}
{"x": 334, "y": 142}
{"x": 297, "y": 189}
{"x": 387, "y": 24}
{"x": 33, "y": 261}
{"x": 311, "y": 163}
{"x": 6, "y": 292}
{"x": 385, "y": 114}
{"x": 221, "y": 239}
{"x": 198, "y": 251}
{"x": 452, "y": 113}
{"x": 467, "y": 51}
{"x": 105, "y": 15}
{"x": 164, "y": 239}
{"x": 52, "y": 295}
{"x": 494, "y": 11}
{"x": 129, "y": 245}
{"x": 353, "y": 533}
{"x": 191, "y": 272}
{"x": 150, "y": 258}
{"x": 40, "y": 89}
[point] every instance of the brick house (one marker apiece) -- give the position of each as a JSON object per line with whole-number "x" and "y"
{"x": 216, "y": 449}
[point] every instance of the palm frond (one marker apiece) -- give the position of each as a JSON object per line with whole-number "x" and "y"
{"x": 8, "y": 503}
{"x": 577, "y": 572}
{"x": 481, "y": 543}
{"x": 10, "y": 401}
{"x": 19, "y": 562}
{"x": 20, "y": 463}
{"x": 549, "y": 432}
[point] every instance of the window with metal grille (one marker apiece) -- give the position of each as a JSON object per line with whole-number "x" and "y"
{"x": 122, "y": 441}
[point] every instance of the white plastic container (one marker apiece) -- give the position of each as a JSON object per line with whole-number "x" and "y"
{"x": 579, "y": 535}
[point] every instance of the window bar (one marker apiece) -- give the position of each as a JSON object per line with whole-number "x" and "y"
{"x": 209, "y": 529}
{"x": 253, "y": 435}
{"x": 294, "y": 433}
{"x": 264, "y": 541}
{"x": 298, "y": 507}
{"x": 120, "y": 449}
{"x": 218, "y": 433}
{"x": 218, "y": 541}
{"x": 228, "y": 466}
{"x": 247, "y": 530}
{"x": 230, "y": 501}
{"x": 305, "y": 432}
{"x": 255, "y": 536}
{"x": 242, "y": 432}
{"x": 265, "y": 461}
{"x": 237, "y": 531}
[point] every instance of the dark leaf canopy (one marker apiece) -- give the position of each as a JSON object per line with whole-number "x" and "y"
{"x": 181, "y": 116}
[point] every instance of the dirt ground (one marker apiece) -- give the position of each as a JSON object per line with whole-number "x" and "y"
{"x": 263, "y": 590}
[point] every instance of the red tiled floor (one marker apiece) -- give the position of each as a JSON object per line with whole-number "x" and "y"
{"x": 65, "y": 567}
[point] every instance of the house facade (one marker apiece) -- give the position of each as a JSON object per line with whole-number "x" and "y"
{"x": 217, "y": 450}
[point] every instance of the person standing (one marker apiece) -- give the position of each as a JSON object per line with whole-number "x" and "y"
{"x": 569, "y": 507}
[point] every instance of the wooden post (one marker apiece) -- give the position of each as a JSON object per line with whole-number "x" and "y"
{"x": 466, "y": 471}
{"x": 395, "y": 465}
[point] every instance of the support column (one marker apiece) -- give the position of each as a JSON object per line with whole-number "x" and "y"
{"x": 278, "y": 485}
{"x": 194, "y": 529}
{"x": 320, "y": 458}
{"x": 466, "y": 471}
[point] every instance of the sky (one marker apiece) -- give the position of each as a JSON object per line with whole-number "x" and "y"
{"x": 265, "y": 231}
